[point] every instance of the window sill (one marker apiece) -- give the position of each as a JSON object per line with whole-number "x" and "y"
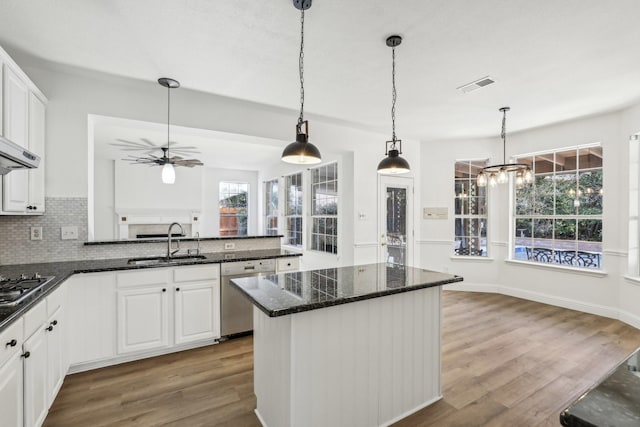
{"x": 633, "y": 279}
{"x": 575, "y": 270}
{"x": 471, "y": 258}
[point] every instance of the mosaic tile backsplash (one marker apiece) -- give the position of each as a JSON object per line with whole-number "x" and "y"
{"x": 17, "y": 248}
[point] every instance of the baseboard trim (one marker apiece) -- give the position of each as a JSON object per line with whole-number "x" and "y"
{"x": 255, "y": 411}
{"x": 87, "y": 366}
{"x": 411, "y": 411}
{"x": 599, "y": 310}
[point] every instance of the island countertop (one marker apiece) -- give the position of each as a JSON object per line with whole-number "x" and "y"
{"x": 288, "y": 293}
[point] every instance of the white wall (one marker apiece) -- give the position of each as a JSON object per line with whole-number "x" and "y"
{"x": 75, "y": 93}
{"x": 606, "y": 294}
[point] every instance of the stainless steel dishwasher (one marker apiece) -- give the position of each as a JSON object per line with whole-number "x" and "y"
{"x": 236, "y": 312}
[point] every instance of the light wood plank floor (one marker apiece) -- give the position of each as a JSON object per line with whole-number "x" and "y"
{"x": 506, "y": 362}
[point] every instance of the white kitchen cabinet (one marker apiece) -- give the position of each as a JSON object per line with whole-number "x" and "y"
{"x": 11, "y": 375}
{"x": 143, "y": 319}
{"x": 91, "y": 317}
{"x": 11, "y": 389}
{"x": 56, "y": 346}
{"x": 36, "y": 395}
{"x": 196, "y": 303}
{"x": 15, "y": 185}
{"x": 37, "y": 110}
{"x": 284, "y": 265}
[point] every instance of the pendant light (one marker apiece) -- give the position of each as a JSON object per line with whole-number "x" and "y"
{"x": 168, "y": 171}
{"x": 301, "y": 151}
{"x": 499, "y": 174}
{"x": 393, "y": 164}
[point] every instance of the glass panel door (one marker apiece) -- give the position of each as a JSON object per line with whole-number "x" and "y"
{"x": 396, "y": 227}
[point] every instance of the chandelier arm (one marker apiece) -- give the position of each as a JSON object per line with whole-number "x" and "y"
{"x": 393, "y": 97}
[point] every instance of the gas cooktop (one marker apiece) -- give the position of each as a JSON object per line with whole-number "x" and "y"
{"x": 14, "y": 291}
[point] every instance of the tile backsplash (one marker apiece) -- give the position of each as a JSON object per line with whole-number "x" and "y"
{"x": 17, "y": 248}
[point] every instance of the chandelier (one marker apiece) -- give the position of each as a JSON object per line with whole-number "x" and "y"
{"x": 499, "y": 174}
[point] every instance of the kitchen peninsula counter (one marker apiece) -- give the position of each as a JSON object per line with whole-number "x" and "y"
{"x": 349, "y": 346}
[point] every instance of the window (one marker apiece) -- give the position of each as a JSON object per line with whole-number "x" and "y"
{"x": 271, "y": 207}
{"x": 293, "y": 209}
{"x": 324, "y": 208}
{"x": 558, "y": 217}
{"x": 470, "y": 209}
{"x": 233, "y": 208}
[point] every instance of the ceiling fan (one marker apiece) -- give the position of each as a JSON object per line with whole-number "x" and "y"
{"x": 166, "y": 161}
{"x": 149, "y": 147}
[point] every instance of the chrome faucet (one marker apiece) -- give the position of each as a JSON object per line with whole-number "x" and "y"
{"x": 169, "y": 252}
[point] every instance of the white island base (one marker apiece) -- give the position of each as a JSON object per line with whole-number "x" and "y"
{"x": 366, "y": 363}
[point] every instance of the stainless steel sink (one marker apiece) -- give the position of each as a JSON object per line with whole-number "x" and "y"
{"x": 164, "y": 259}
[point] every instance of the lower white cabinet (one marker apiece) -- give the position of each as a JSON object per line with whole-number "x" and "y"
{"x": 143, "y": 319}
{"x": 56, "y": 349}
{"x": 11, "y": 376}
{"x": 163, "y": 308}
{"x": 36, "y": 395}
{"x": 195, "y": 311}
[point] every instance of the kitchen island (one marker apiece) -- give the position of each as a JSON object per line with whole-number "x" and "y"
{"x": 349, "y": 346}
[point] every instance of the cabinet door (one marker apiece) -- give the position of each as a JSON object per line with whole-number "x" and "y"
{"x": 36, "y": 397}
{"x": 36, "y": 145}
{"x": 143, "y": 319}
{"x": 195, "y": 317}
{"x": 15, "y": 185}
{"x": 56, "y": 366}
{"x": 11, "y": 398}
{"x": 91, "y": 327}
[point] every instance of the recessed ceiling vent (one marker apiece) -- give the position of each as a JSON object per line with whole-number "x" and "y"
{"x": 480, "y": 83}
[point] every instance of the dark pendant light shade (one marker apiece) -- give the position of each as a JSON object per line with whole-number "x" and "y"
{"x": 393, "y": 164}
{"x": 301, "y": 151}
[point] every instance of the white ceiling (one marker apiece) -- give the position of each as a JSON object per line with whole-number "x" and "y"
{"x": 553, "y": 59}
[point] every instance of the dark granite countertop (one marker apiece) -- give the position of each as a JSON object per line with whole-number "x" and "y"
{"x": 182, "y": 239}
{"x": 287, "y": 293}
{"x": 63, "y": 270}
{"x": 614, "y": 401}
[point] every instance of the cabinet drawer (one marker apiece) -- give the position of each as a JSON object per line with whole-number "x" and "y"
{"x": 35, "y": 319}
{"x": 152, "y": 276}
{"x": 288, "y": 264}
{"x": 192, "y": 274}
{"x": 56, "y": 299}
{"x": 13, "y": 332}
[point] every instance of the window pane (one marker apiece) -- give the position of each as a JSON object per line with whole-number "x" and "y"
{"x": 324, "y": 208}
{"x": 566, "y": 193}
{"x": 543, "y": 229}
{"x": 233, "y": 200}
{"x": 590, "y": 193}
{"x": 470, "y": 209}
{"x": 565, "y": 229}
{"x": 566, "y": 161}
{"x": 590, "y": 157}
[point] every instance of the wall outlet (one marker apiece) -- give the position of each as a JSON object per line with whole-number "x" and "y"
{"x": 230, "y": 245}
{"x": 36, "y": 233}
{"x": 69, "y": 233}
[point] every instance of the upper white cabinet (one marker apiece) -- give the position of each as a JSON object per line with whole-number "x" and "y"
{"x": 15, "y": 188}
{"x": 23, "y": 122}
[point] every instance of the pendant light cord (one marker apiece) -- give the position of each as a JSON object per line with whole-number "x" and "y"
{"x": 393, "y": 97}
{"x": 168, "y": 117}
{"x": 301, "y": 69}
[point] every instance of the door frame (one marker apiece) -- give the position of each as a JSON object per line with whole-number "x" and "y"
{"x": 385, "y": 181}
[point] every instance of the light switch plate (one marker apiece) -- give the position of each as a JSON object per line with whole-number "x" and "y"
{"x": 36, "y": 233}
{"x": 69, "y": 233}
{"x": 435, "y": 213}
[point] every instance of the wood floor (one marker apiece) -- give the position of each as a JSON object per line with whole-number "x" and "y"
{"x": 505, "y": 361}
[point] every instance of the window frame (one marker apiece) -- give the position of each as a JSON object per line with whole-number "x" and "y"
{"x": 457, "y": 252}
{"x": 286, "y": 211}
{"x": 269, "y": 213}
{"x": 247, "y": 207}
{"x": 318, "y": 218}
{"x": 591, "y": 260}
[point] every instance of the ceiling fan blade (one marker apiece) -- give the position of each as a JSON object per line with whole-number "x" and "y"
{"x": 146, "y": 141}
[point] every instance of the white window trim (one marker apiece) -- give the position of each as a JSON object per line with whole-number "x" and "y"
{"x": 283, "y": 203}
{"x": 310, "y": 211}
{"x": 488, "y": 216}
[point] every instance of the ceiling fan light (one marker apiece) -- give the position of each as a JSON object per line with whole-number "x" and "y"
{"x": 393, "y": 164}
{"x": 168, "y": 174}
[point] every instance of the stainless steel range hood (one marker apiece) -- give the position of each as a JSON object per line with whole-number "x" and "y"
{"x": 13, "y": 156}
